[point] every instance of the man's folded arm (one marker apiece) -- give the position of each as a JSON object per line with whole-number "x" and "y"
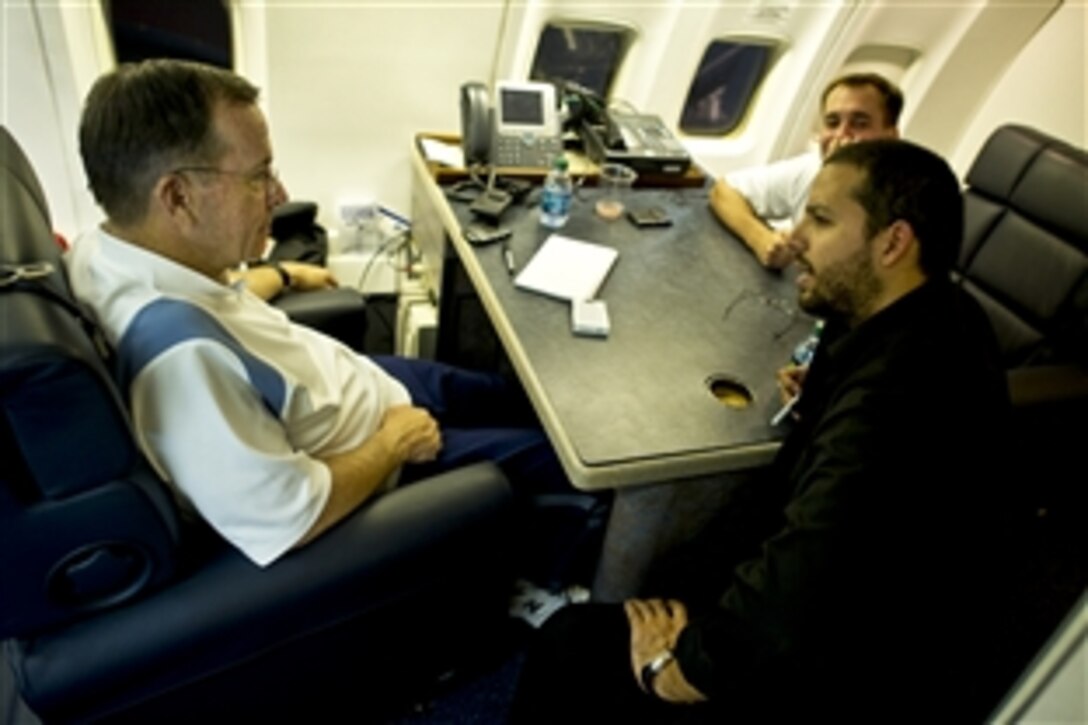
{"x": 407, "y": 434}
{"x": 734, "y": 210}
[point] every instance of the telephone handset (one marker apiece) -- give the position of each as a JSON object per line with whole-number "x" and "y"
{"x": 521, "y": 130}
{"x": 475, "y": 123}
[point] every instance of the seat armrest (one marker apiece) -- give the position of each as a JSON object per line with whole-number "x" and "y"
{"x": 338, "y": 312}
{"x": 442, "y": 534}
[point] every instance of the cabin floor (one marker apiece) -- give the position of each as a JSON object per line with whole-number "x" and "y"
{"x": 479, "y": 693}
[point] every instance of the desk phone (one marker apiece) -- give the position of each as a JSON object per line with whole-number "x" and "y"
{"x": 521, "y": 130}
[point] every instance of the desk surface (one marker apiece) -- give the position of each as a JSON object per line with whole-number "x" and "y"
{"x": 687, "y": 303}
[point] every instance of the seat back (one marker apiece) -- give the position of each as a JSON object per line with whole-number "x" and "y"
{"x": 86, "y": 525}
{"x": 1025, "y": 257}
{"x": 84, "y": 521}
{"x": 341, "y": 312}
{"x": 1025, "y": 249}
{"x": 299, "y": 238}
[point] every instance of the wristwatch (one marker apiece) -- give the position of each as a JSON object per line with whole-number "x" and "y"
{"x": 653, "y": 668}
{"x": 285, "y": 276}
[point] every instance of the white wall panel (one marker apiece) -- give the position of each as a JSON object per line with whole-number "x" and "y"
{"x": 1045, "y": 87}
{"x": 50, "y": 53}
{"x": 953, "y": 78}
{"x": 349, "y": 83}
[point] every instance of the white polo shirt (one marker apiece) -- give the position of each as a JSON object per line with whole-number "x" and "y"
{"x": 778, "y": 191}
{"x": 232, "y": 403}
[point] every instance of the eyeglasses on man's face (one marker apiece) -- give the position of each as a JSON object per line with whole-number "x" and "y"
{"x": 264, "y": 179}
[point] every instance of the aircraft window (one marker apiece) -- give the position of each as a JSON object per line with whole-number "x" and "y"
{"x": 588, "y": 54}
{"x": 192, "y": 30}
{"x": 723, "y": 88}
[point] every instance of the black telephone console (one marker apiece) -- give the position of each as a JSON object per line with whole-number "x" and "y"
{"x": 490, "y": 204}
{"x": 641, "y": 141}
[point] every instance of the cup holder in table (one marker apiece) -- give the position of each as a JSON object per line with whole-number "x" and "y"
{"x": 729, "y": 391}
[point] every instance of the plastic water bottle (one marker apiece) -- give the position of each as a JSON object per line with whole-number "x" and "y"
{"x": 803, "y": 353}
{"x": 558, "y": 190}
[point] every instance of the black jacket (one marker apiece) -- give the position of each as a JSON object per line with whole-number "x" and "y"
{"x": 857, "y": 569}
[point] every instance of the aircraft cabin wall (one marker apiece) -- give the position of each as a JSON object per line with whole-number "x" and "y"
{"x": 1046, "y": 86}
{"x": 347, "y": 85}
{"x": 49, "y": 56}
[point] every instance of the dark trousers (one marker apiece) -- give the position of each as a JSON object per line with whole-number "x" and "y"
{"x": 579, "y": 671}
{"x": 482, "y": 417}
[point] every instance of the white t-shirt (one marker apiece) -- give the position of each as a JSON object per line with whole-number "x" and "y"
{"x": 232, "y": 403}
{"x": 778, "y": 191}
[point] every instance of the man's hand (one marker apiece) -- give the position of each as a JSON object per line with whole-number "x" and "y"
{"x": 411, "y": 433}
{"x": 655, "y": 626}
{"x": 837, "y": 141}
{"x": 790, "y": 379}
{"x": 732, "y": 208}
{"x": 406, "y": 435}
{"x": 775, "y": 251}
{"x": 306, "y": 277}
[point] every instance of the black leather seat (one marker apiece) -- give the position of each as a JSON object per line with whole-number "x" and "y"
{"x": 339, "y": 312}
{"x": 1025, "y": 257}
{"x": 1025, "y": 250}
{"x": 114, "y": 607}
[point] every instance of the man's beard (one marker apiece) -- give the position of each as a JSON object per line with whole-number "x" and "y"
{"x": 845, "y": 290}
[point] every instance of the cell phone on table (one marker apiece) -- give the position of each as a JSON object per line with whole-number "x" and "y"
{"x": 478, "y": 234}
{"x": 649, "y": 216}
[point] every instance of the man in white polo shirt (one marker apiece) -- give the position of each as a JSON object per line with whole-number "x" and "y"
{"x": 854, "y": 107}
{"x": 270, "y": 431}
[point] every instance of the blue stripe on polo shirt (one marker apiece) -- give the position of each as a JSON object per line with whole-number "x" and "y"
{"x": 166, "y": 322}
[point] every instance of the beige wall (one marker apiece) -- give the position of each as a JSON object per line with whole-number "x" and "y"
{"x": 348, "y": 86}
{"x": 50, "y": 53}
{"x": 1046, "y": 87}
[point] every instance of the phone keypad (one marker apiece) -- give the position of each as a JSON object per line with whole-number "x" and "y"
{"x": 527, "y": 150}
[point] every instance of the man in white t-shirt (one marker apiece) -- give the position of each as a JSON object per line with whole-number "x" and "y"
{"x": 270, "y": 431}
{"x": 854, "y": 107}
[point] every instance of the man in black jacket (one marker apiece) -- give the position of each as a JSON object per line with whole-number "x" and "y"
{"x": 849, "y": 581}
